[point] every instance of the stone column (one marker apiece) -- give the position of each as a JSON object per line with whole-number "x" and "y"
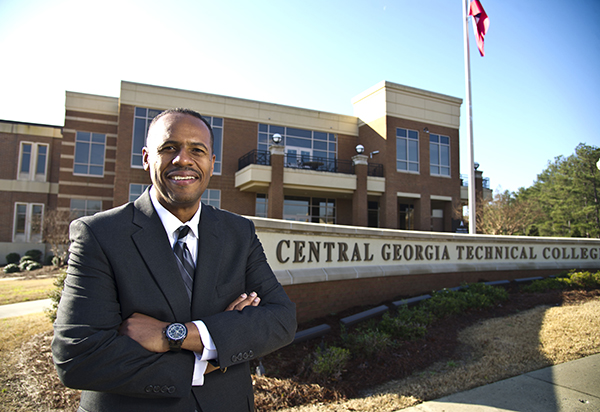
{"x": 275, "y": 194}
{"x": 360, "y": 210}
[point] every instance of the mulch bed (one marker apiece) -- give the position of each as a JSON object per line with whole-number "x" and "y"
{"x": 288, "y": 380}
{"x": 289, "y": 365}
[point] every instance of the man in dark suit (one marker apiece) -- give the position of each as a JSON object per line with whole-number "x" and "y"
{"x": 131, "y": 330}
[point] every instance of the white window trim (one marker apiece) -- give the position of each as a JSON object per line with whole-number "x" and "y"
{"x": 28, "y": 217}
{"x": 32, "y": 176}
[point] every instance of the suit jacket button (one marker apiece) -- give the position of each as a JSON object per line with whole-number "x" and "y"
{"x": 164, "y": 389}
{"x": 156, "y": 389}
{"x": 171, "y": 389}
{"x": 148, "y": 389}
{"x": 250, "y": 354}
{"x": 245, "y": 355}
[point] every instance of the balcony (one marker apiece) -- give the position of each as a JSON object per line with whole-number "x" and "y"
{"x": 319, "y": 164}
{"x": 305, "y": 173}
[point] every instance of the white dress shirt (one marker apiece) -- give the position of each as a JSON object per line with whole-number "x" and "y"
{"x": 171, "y": 225}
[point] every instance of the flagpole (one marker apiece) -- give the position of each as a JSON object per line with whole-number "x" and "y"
{"x": 471, "y": 187}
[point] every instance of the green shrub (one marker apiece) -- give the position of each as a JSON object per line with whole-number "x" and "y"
{"x": 11, "y": 268}
{"x": 56, "y": 294}
{"x": 408, "y": 324}
{"x": 25, "y": 262}
{"x": 56, "y": 262}
{"x": 34, "y": 266}
{"x": 330, "y": 362}
{"x": 586, "y": 280}
{"x": 36, "y": 255}
{"x": 13, "y": 258}
{"x": 568, "y": 281}
{"x": 48, "y": 259}
{"x": 368, "y": 342}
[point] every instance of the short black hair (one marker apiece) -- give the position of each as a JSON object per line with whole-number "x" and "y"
{"x": 189, "y": 112}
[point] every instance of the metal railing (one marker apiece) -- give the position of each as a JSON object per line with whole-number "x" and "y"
{"x": 296, "y": 161}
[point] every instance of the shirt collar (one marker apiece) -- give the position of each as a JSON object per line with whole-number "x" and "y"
{"x": 172, "y": 223}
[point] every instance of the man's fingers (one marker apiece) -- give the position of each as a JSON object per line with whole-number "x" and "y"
{"x": 244, "y": 300}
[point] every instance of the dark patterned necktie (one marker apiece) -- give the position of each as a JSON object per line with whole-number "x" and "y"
{"x": 185, "y": 262}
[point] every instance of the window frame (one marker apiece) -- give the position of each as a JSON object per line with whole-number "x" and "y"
{"x": 89, "y": 164}
{"x": 405, "y": 140}
{"x": 439, "y": 165}
{"x": 27, "y": 236}
{"x": 143, "y": 186}
{"x": 322, "y": 144}
{"x": 208, "y": 199}
{"x": 86, "y": 210}
{"x": 34, "y": 157}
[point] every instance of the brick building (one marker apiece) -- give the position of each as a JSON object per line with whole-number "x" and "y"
{"x": 394, "y": 164}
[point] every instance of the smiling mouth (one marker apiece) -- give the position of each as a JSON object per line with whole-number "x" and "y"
{"x": 180, "y": 178}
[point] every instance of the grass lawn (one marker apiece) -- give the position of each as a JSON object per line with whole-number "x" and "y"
{"x": 23, "y": 290}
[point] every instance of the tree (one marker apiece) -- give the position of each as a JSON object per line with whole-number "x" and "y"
{"x": 567, "y": 192}
{"x": 56, "y": 233}
{"x": 505, "y": 214}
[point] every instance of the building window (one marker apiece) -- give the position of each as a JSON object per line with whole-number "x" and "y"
{"x": 262, "y": 204}
{"x": 217, "y": 127}
{"x": 89, "y": 154}
{"x": 306, "y": 209}
{"x": 83, "y": 207}
{"x": 407, "y": 216}
{"x": 136, "y": 190}
{"x": 407, "y": 150}
{"x": 33, "y": 161}
{"x": 212, "y": 197}
{"x": 141, "y": 121}
{"x": 299, "y": 143}
{"x": 28, "y": 220}
{"x": 439, "y": 155}
{"x": 373, "y": 214}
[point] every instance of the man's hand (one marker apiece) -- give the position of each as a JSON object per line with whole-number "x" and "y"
{"x": 149, "y": 332}
{"x": 243, "y": 301}
{"x": 146, "y": 331}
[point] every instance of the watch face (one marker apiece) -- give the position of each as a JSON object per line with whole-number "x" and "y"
{"x": 176, "y": 331}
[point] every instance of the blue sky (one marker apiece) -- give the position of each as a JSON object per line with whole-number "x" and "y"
{"x": 535, "y": 95}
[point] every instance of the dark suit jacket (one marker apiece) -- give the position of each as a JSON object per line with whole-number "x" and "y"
{"x": 121, "y": 262}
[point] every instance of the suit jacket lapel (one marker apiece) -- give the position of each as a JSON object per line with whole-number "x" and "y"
{"x": 154, "y": 247}
{"x": 207, "y": 264}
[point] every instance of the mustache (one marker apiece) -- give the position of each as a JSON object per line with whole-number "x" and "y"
{"x": 185, "y": 169}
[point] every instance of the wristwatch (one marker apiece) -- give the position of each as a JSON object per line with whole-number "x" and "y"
{"x": 176, "y": 333}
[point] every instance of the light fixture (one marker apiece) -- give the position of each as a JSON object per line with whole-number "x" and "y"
{"x": 373, "y": 153}
{"x": 360, "y": 149}
{"x": 476, "y": 165}
{"x": 276, "y": 138}
{"x": 426, "y": 129}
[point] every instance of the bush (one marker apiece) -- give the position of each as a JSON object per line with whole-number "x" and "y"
{"x": 56, "y": 294}
{"x": 11, "y": 268}
{"x": 25, "y": 262}
{"x": 574, "y": 280}
{"x": 48, "y": 259}
{"x": 407, "y": 325}
{"x": 13, "y": 257}
{"x": 36, "y": 255}
{"x": 368, "y": 342}
{"x": 34, "y": 266}
{"x": 330, "y": 362}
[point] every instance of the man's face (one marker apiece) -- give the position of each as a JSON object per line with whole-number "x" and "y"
{"x": 179, "y": 158}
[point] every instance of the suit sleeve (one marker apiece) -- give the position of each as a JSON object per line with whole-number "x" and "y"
{"x": 255, "y": 331}
{"x": 88, "y": 352}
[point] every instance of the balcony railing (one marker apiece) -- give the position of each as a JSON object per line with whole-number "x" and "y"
{"x": 319, "y": 164}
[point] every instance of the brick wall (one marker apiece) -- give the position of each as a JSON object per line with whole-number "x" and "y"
{"x": 314, "y": 300}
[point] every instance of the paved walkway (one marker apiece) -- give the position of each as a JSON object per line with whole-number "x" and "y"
{"x": 24, "y": 308}
{"x": 568, "y": 387}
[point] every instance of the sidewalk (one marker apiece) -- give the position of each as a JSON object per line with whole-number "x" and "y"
{"x": 569, "y": 387}
{"x": 24, "y": 308}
